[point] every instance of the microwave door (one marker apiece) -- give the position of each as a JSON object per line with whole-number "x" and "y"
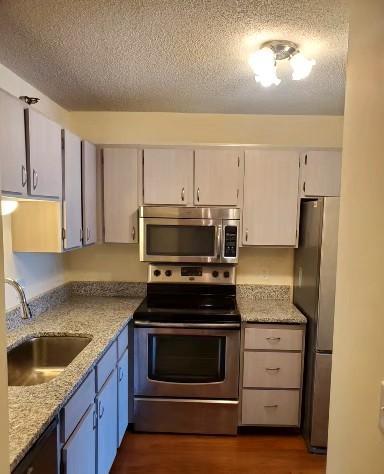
{"x": 180, "y": 240}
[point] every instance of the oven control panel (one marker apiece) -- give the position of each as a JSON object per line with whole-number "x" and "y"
{"x": 188, "y": 273}
{"x": 230, "y": 241}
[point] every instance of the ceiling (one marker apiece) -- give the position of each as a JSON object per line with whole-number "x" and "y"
{"x": 174, "y": 55}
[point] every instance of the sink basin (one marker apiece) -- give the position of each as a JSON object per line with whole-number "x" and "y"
{"x": 40, "y": 359}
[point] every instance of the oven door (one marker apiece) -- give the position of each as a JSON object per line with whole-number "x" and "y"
{"x": 187, "y": 363}
{"x": 180, "y": 240}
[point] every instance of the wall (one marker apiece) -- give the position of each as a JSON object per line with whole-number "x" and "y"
{"x": 38, "y": 273}
{"x": 356, "y": 445}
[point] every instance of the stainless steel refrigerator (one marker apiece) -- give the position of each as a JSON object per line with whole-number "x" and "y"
{"x": 314, "y": 295}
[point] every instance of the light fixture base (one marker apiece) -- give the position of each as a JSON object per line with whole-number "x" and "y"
{"x": 282, "y": 49}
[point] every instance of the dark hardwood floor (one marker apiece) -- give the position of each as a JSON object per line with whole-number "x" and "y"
{"x": 189, "y": 454}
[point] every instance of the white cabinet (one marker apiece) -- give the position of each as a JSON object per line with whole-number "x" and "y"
{"x": 12, "y": 146}
{"x": 168, "y": 176}
{"x": 122, "y": 396}
{"x": 217, "y": 177}
{"x": 72, "y": 219}
{"x": 320, "y": 173}
{"x": 44, "y": 155}
{"x": 120, "y": 195}
{"x": 79, "y": 452}
{"x": 88, "y": 173}
{"x": 271, "y": 195}
{"x": 107, "y": 424}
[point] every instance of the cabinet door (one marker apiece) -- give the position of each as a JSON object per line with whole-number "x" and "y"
{"x": 107, "y": 424}
{"x": 122, "y": 396}
{"x": 217, "y": 177}
{"x": 72, "y": 191}
{"x": 79, "y": 452}
{"x": 12, "y": 146}
{"x": 168, "y": 176}
{"x": 44, "y": 156}
{"x": 120, "y": 195}
{"x": 321, "y": 173}
{"x": 270, "y": 210}
{"x": 88, "y": 168}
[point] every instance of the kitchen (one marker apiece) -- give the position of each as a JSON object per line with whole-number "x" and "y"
{"x": 179, "y": 259}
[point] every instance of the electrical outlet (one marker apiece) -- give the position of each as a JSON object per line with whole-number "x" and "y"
{"x": 381, "y": 414}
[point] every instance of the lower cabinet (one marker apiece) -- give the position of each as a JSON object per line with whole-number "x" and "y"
{"x": 107, "y": 424}
{"x": 79, "y": 452}
{"x": 122, "y": 396}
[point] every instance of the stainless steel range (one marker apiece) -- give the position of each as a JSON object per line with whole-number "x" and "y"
{"x": 187, "y": 345}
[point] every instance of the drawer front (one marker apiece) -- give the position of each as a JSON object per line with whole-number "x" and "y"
{"x": 272, "y": 369}
{"x": 122, "y": 342}
{"x": 270, "y": 407}
{"x": 106, "y": 365}
{"x": 273, "y": 339}
{"x": 77, "y": 406}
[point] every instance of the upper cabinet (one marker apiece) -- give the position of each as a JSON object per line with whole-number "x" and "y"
{"x": 72, "y": 219}
{"x": 44, "y": 155}
{"x": 168, "y": 176}
{"x": 271, "y": 197}
{"x": 12, "y": 146}
{"x": 88, "y": 169}
{"x": 217, "y": 177}
{"x": 320, "y": 173}
{"x": 120, "y": 194}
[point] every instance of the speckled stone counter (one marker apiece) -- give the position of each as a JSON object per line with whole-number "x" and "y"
{"x": 32, "y": 408}
{"x": 269, "y": 311}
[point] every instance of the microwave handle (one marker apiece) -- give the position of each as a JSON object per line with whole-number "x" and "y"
{"x": 218, "y": 241}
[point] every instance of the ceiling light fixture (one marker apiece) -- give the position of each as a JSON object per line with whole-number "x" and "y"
{"x": 264, "y": 61}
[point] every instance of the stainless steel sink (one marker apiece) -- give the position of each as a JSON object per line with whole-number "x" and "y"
{"x": 40, "y": 359}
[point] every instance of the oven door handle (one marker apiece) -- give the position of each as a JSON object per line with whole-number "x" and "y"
{"x": 151, "y": 324}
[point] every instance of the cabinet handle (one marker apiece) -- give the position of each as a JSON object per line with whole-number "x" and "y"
{"x": 246, "y": 235}
{"x": 273, "y": 338}
{"x": 182, "y": 193}
{"x": 271, "y": 406}
{"x": 121, "y": 374}
{"x": 35, "y": 179}
{"x": 198, "y": 194}
{"x": 94, "y": 415}
{"x": 133, "y": 233}
{"x": 88, "y": 234}
{"x": 81, "y": 234}
{"x": 101, "y": 411}
{"x": 273, "y": 369}
{"x": 23, "y": 176}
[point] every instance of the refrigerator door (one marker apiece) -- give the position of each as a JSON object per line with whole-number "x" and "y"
{"x": 320, "y": 401}
{"x": 327, "y": 285}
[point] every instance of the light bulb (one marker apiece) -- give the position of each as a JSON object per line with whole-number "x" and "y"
{"x": 267, "y": 80}
{"x": 7, "y": 207}
{"x": 263, "y": 63}
{"x": 301, "y": 66}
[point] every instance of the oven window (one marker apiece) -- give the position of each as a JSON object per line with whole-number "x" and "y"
{"x": 180, "y": 240}
{"x": 186, "y": 359}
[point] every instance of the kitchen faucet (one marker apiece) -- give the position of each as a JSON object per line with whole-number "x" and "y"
{"x": 26, "y": 311}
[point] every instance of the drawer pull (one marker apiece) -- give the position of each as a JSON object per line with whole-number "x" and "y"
{"x": 271, "y": 406}
{"x": 273, "y": 338}
{"x": 274, "y": 369}
{"x": 101, "y": 410}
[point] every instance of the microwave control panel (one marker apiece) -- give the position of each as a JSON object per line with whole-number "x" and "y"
{"x": 230, "y": 241}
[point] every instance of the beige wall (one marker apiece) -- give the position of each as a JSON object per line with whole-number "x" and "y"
{"x": 37, "y": 273}
{"x": 356, "y": 445}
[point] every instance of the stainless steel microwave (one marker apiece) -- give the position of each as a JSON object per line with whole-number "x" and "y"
{"x": 189, "y": 234}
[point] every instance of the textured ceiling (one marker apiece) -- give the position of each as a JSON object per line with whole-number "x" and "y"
{"x": 174, "y": 55}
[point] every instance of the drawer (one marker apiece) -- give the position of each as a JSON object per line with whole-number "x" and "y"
{"x": 105, "y": 366}
{"x": 273, "y": 339}
{"x": 77, "y": 406}
{"x": 122, "y": 342}
{"x": 270, "y": 407}
{"x": 272, "y": 369}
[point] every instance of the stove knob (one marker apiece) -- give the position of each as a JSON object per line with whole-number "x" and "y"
{"x": 226, "y": 274}
{"x": 215, "y": 273}
{"x": 157, "y": 273}
{"x": 168, "y": 273}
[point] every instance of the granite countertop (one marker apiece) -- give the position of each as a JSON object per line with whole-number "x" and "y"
{"x": 269, "y": 311}
{"x": 31, "y": 409}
